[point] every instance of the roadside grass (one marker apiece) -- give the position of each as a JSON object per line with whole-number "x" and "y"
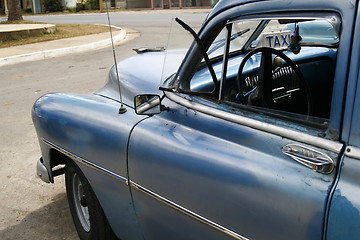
{"x": 62, "y": 31}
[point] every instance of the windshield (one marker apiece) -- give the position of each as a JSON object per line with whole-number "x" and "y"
{"x": 273, "y": 33}
{"x": 241, "y": 32}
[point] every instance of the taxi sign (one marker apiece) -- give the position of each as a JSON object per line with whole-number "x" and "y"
{"x": 277, "y": 40}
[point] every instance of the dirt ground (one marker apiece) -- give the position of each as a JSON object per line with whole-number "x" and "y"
{"x": 27, "y": 205}
{"x": 29, "y": 208}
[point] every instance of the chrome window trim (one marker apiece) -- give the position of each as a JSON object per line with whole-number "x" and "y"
{"x": 352, "y": 152}
{"x": 256, "y": 124}
{"x": 146, "y": 191}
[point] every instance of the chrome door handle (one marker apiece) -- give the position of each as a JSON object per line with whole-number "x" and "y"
{"x": 311, "y": 158}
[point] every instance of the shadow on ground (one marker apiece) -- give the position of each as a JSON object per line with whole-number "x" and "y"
{"x": 52, "y": 221}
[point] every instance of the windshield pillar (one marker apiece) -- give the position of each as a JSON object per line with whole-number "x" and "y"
{"x": 225, "y": 60}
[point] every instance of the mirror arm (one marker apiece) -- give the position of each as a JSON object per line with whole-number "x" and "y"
{"x": 164, "y": 108}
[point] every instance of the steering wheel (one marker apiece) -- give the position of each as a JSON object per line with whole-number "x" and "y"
{"x": 262, "y": 94}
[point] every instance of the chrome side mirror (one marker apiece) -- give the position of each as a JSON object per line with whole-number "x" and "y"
{"x": 147, "y": 104}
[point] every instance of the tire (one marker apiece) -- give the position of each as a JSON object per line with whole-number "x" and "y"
{"x": 88, "y": 216}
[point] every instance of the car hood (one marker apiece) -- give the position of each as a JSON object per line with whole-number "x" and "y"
{"x": 139, "y": 74}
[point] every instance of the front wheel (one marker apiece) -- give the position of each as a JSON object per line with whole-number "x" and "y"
{"x": 88, "y": 216}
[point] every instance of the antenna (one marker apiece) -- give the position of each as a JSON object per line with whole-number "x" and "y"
{"x": 122, "y": 108}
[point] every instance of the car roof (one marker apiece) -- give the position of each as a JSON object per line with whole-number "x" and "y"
{"x": 223, "y": 5}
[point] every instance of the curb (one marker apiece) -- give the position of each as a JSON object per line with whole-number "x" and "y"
{"x": 41, "y": 55}
{"x": 10, "y": 31}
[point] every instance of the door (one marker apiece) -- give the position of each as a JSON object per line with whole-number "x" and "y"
{"x": 200, "y": 171}
{"x": 220, "y": 166}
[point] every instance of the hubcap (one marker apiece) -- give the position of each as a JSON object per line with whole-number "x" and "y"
{"x": 81, "y": 206}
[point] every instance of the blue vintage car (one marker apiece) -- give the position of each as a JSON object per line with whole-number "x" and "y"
{"x": 251, "y": 132}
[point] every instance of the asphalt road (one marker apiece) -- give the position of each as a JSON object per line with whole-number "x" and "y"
{"x": 29, "y": 208}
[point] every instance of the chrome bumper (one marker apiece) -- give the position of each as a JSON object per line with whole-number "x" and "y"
{"x": 41, "y": 171}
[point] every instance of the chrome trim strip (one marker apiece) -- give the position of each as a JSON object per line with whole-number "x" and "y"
{"x": 256, "y": 124}
{"x": 146, "y": 191}
{"x": 86, "y": 162}
{"x": 187, "y": 212}
{"x": 352, "y": 152}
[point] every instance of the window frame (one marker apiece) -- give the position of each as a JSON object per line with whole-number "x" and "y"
{"x": 326, "y": 131}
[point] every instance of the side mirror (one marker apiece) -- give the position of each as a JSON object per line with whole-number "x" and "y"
{"x": 147, "y": 104}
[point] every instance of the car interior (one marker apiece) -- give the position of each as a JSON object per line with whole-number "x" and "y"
{"x": 283, "y": 67}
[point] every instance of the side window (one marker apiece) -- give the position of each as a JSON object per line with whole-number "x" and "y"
{"x": 202, "y": 80}
{"x": 281, "y": 68}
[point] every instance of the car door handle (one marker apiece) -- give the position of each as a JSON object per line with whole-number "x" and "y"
{"x": 311, "y": 158}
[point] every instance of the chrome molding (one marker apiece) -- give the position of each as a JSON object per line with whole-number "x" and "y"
{"x": 187, "y": 212}
{"x": 256, "y": 124}
{"x": 147, "y": 192}
{"x": 86, "y": 162}
{"x": 352, "y": 152}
